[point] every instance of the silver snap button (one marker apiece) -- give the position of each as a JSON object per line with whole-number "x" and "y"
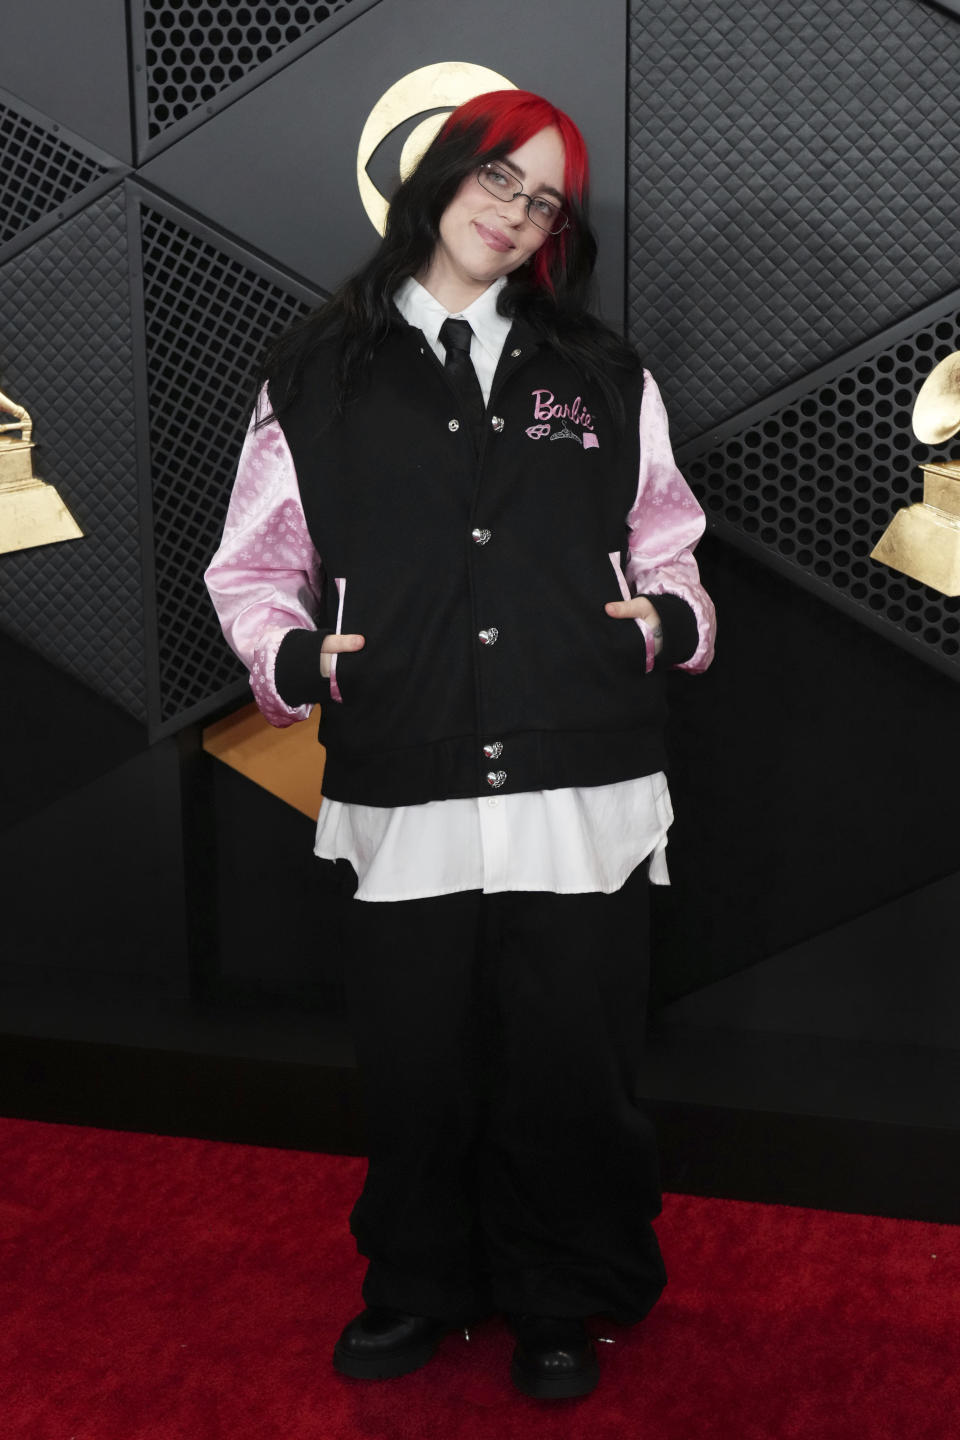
{"x": 489, "y": 637}
{"x": 515, "y": 353}
{"x": 495, "y": 778}
{"x": 494, "y": 750}
{"x": 453, "y": 425}
{"x": 480, "y": 537}
{"x": 497, "y": 423}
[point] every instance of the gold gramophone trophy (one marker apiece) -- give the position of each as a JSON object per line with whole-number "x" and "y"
{"x": 924, "y": 540}
{"x": 31, "y": 512}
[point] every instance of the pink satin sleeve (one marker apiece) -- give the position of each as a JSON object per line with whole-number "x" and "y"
{"x": 265, "y": 578}
{"x": 665, "y": 523}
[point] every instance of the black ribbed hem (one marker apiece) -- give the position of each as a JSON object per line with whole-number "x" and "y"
{"x": 456, "y": 769}
{"x": 680, "y": 633}
{"x": 297, "y": 674}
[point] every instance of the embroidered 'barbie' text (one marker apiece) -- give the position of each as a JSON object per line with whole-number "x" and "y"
{"x": 547, "y": 407}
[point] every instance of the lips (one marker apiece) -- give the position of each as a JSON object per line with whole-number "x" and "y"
{"x": 494, "y": 238}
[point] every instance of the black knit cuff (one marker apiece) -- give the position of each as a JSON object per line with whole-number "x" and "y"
{"x": 680, "y": 633}
{"x": 297, "y": 674}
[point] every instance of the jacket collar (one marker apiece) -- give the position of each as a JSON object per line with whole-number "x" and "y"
{"x": 522, "y": 333}
{"x": 521, "y": 342}
{"x": 422, "y": 310}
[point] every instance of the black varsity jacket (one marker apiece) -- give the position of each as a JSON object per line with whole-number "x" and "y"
{"x": 478, "y": 575}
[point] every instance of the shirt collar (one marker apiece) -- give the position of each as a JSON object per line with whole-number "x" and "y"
{"x": 420, "y": 309}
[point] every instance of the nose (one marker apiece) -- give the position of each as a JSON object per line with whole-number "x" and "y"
{"x": 515, "y": 210}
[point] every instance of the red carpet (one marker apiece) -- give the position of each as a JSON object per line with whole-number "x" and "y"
{"x": 162, "y": 1289}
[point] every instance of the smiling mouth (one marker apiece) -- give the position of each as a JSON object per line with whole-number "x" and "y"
{"x": 493, "y": 238}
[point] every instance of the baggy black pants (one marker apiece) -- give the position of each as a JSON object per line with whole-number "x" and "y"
{"x": 511, "y": 1166}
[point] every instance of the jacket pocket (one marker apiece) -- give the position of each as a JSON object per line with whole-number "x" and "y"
{"x": 645, "y": 630}
{"x": 334, "y": 683}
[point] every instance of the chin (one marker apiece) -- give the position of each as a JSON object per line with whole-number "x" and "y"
{"x": 488, "y": 273}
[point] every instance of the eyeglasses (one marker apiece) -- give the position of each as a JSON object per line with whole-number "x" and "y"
{"x": 542, "y": 213}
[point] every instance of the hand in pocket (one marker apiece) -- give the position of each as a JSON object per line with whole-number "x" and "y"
{"x": 640, "y": 608}
{"x": 335, "y": 645}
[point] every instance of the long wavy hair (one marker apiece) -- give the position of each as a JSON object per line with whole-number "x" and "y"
{"x": 551, "y": 290}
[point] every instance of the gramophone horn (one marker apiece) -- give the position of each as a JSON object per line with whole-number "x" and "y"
{"x": 936, "y": 414}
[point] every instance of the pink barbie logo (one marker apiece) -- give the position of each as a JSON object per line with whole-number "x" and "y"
{"x": 547, "y": 407}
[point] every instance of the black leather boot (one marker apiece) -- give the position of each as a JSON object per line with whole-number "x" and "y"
{"x": 380, "y": 1344}
{"x": 554, "y": 1358}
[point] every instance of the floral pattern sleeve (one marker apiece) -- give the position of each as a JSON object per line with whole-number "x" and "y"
{"x": 665, "y": 523}
{"x": 266, "y": 576}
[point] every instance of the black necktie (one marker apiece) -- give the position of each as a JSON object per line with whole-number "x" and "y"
{"x": 455, "y": 336}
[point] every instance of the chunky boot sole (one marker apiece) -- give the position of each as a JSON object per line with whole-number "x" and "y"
{"x": 557, "y": 1387}
{"x": 387, "y": 1366}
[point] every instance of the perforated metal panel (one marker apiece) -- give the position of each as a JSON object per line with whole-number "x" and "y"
{"x": 208, "y": 316}
{"x": 38, "y": 172}
{"x": 67, "y": 355}
{"x": 792, "y": 187}
{"x": 193, "y": 51}
{"x": 817, "y": 479}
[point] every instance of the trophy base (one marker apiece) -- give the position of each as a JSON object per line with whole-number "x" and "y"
{"x": 34, "y": 514}
{"x": 923, "y": 543}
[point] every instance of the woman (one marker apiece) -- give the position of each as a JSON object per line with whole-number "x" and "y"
{"x": 458, "y": 527}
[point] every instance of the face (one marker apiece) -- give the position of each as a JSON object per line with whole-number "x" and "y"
{"x": 484, "y": 236}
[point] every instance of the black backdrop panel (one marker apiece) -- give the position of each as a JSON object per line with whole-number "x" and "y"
{"x": 278, "y": 167}
{"x": 265, "y": 848}
{"x": 69, "y": 59}
{"x": 208, "y": 311}
{"x": 40, "y": 764}
{"x": 45, "y": 174}
{"x": 792, "y": 187}
{"x": 850, "y": 983}
{"x": 815, "y": 477}
{"x": 67, "y": 356}
{"x": 191, "y": 52}
{"x": 100, "y": 883}
{"x": 811, "y": 773}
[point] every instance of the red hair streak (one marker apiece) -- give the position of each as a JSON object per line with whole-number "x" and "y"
{"x": 509, "y": 118}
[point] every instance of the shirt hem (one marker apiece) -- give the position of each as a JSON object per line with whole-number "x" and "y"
{"x": 432, "y": 893}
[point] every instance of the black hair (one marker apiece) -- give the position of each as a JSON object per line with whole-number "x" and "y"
{"x": 359, "y": 314}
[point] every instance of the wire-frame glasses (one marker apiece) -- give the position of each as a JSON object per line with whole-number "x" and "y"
{"x": 542, "y": 212}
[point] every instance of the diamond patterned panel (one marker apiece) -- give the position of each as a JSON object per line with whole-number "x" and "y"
{"x": 38, "y": 172}
{"x": 792, "y": 187}
{"x": 208, "y": 316}
{"x": 817, "y": 480}
{"x": 195, "y": 50}
{"x": 67, "y": 357}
